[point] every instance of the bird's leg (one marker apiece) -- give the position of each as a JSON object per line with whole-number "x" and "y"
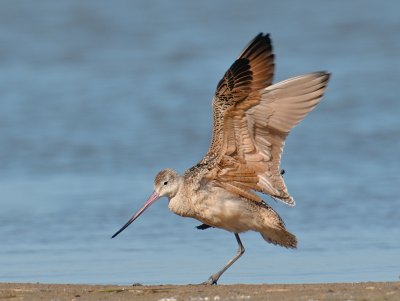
{"x": 214, "y": 278}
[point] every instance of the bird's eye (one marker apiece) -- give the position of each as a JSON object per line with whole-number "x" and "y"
{"x": 166, "y": 182}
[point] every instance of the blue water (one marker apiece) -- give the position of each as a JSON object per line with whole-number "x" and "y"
{"x": 98, "y": 96}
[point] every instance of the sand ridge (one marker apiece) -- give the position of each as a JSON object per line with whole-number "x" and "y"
{"x": 371, "y": 291}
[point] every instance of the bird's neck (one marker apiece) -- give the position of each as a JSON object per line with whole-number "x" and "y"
{"x": 180, "y": 203}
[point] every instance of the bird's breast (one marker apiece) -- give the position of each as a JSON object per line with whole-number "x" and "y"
{"x": 181, "y": 205}
{"x": 216, "y": 207}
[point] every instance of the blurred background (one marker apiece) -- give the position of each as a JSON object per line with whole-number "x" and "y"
{"x": 98, "y": 96}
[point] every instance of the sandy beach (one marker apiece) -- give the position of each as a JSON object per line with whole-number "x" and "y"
{"x": 329, "y": 291}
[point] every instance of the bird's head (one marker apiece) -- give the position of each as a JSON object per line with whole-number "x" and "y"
{"x": 166, "y": 183}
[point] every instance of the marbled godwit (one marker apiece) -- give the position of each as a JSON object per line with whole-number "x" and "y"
{"x": 252, "y": 119}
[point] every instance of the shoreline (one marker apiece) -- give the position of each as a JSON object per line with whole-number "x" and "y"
{"x": 388, "y": 291}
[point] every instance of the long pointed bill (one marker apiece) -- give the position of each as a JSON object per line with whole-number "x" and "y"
{"x": 154, "y": 197}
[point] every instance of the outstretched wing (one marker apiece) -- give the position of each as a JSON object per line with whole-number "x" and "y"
{"x": 252, "y": 71}
{"x": 252, "y": 120}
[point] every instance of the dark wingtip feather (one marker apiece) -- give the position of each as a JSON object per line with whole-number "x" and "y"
{"x": 260, "y": 41}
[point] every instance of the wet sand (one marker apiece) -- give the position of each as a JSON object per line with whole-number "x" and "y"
{"x": 387, "y": 291}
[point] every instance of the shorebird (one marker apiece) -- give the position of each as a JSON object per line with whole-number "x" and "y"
{"x": 252, "y": 118}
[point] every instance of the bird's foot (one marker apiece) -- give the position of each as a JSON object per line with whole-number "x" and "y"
{"x": 211, "y": 281}
{"x": 203, "y": 227}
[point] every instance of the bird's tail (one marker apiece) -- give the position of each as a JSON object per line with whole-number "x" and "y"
{"x": 280, "y": 236}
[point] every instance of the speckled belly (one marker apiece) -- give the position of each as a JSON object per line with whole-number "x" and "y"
{"x": 229, "y": 213}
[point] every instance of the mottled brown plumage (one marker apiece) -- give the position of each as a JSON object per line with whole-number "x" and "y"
{"x": 252, "y": 119}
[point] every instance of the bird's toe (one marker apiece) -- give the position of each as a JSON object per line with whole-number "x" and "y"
{"x": 210, "y": 281}
{"x": 203, "y": 227}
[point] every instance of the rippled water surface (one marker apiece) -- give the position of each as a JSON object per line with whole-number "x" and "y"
{"x": 97, "y": 96}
